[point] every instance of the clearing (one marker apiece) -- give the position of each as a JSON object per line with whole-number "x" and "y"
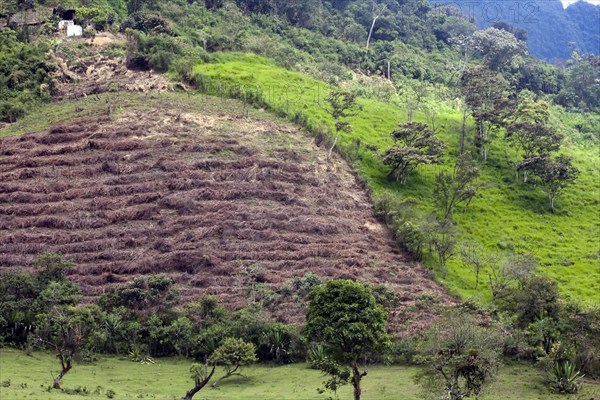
{"x": 178, "y": 184}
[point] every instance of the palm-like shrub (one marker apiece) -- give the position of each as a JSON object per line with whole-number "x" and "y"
{"x": 567, "y": 378}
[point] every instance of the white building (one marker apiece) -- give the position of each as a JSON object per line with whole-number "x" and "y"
{"x": 74, "y": 30}
{"x": 62, "y": 25}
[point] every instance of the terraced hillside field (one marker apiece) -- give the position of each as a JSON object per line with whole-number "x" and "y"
{"x": 198, "y": 195}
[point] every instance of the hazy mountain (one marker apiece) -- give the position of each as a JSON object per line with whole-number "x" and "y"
{"x": 549, "y": 25}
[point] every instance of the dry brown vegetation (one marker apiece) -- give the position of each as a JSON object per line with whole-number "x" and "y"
{"x": 196, "y": 196}
{"x": 87, "y": 70}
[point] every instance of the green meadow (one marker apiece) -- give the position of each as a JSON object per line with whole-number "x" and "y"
{"x": 505, "y": 215}
{"x": 28, "y": 377}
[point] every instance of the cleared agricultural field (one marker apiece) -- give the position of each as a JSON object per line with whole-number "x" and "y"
{"x": 196, "y": 194}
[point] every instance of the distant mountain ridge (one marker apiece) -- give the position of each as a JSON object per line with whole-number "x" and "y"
{"x": 550, "y": 27}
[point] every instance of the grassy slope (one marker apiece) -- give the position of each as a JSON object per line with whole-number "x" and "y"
{"x": 504, "y": 215}
{"x": 168, "y": 379}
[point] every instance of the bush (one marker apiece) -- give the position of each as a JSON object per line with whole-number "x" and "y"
{"x": 151, "y": 51}
{"x": 566, "y": 377}
{"x": 461, "y": 358}
{"x": 146, "y": 23}
{"x": 25, "y": 75}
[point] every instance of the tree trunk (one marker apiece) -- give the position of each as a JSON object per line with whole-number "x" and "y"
{"x": 371, "y": 30}
{"x": 463, "y": 131}
{"x": 199, "y": 385}
{"x": 356, "y": 378}
{"x": 227, "y": 375}
{"x": 66, "y": 368}
{"x": 333, "y": 145}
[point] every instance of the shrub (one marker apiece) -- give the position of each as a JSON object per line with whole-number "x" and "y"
{"x": 566, "y": 377}
{"x": 460, "y": 356}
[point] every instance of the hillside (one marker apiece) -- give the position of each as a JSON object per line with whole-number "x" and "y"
{"x": 194, "y": 189}
{"x": 289, "y": 64}
{"x": 551, "y": 29}
{"x": 503, "y": 216}
{"x": 361, "y": 187}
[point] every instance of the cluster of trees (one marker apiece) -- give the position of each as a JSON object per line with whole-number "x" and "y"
{"x": 345, "y": 331}
{"x": 25, "y": 75}
{"x": 394, "y": 39}
{"x": 142, "y": 319}
{"x": 495, "y": 109}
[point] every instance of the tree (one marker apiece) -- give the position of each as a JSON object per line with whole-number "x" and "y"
{"x": 498, "y": 47}
{"x": 52, "y": 267}
{"x": 88, "y": 15}
{"x": 25, "y": 295}
{"x": 232, "y": 354}
{"x": 581, "y": 88}
{"x": 537, "y": 299}
{"x": 474, "y": 255}
{"x": 346, "y": 319}
{"x": 513, "y": 270}
{"x": 415, "y": 144}
{"x": 458, "y": 187}
{"x": 485, "y": 94}
{"x": 341, "y": 105}
{"x": 530, "y": 110}
{"x": 461, "y": 358}
{"x": 201, "y": 376}
{"x": 534, "y": 139}
{"x": 376, "y": 12}
{"x": 441, "y": 237}
{"x": 529, "y": 131}
{"x": 553, "y": 175}
{"x": 66, "y": 330}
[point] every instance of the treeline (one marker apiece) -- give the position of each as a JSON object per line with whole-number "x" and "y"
{"x": 345, "y": 329}
{"x": 327, "y": 39}
{"x": 143, "y": 318}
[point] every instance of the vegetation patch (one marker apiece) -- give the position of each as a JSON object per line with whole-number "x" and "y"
{"x": 505, "y": 215}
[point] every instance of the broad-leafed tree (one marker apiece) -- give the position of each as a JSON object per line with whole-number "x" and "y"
{"x": 346, "y": 319}
{"x": 414, "y": 144}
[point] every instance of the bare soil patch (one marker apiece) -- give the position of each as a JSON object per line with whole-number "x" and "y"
{"x": 197, "y": 196}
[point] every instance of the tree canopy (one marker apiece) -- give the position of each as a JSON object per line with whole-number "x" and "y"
{"x": 344, "y": 316}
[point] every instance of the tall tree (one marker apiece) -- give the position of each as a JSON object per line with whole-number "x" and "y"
{"x": 377, "y": 11}
{"x": 458, "y": 187}
{"x": 415, "y": 144}
{"x": 553, "y": 175}
{"x": 345, "y": 317}
{"x": 485, "y": 94}
{"x": 498, "y": 47}
{"x": 341, "y": 105}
